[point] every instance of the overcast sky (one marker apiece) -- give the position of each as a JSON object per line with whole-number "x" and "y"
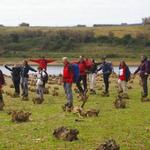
{"x": 72, "y": 12}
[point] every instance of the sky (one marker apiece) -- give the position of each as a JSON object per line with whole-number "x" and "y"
{"x": 72, "y": 12}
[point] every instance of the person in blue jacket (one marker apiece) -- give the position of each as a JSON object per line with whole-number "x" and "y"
{"x": 107, "y": 69}
{"x": 24, "y": 77}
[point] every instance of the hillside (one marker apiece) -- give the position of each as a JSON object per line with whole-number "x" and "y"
{"x": 114, "y": 41}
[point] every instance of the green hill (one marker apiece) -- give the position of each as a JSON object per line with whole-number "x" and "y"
{"x": 114, "y": 41}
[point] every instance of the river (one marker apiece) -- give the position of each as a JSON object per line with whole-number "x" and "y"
{"x": 56, "y": 70}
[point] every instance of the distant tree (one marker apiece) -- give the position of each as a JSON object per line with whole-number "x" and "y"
{"x": 146, "y": 20}
{"x": 24, "y": 24}
{"x": 81, "y": 25}
{"x": 124, "y": 24}
{"x": 1, "y": 25}
{"x": 14, "y": 37}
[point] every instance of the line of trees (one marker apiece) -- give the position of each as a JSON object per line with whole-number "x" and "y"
{"x": 65, "y": 40}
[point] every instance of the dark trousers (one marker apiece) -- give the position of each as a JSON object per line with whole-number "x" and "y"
{"x": 82, "y": 78}
{"x": 1, "y": 96}
{"x": 16, "y": 83}
{"x": 106, "y": 82}
{"x": 144, "y": 86}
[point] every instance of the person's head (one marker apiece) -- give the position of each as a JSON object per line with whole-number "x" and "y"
{"x": 42, "y": 57}
{"x": 39, "y": 69}
{"x": 143, "y": 58}
{"x": 81, "y": 58}
{"x": 25, "y": 62}
{"x": 122, "y": 64}
{"x": 65, "y": 60}
{"x": 103, "y": 59}
{"x": 15, "y": 65}
{"x": 93, "y": 61}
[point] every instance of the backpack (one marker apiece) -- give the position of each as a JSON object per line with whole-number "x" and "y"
{"x": 45, "y": 77}
{"x": 128, "y": 74}
{"x": 147, "y": 65}
{"x": 109, "y": 68}
{"x": 2, "y": 79}
{"x": 76, "y": 72}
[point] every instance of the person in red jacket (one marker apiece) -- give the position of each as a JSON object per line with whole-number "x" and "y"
{"x": 42, "y": 62}
{"x": 83, "y": 67}
{"x": 122, "y": 81}
{"x": 67, "y": 81}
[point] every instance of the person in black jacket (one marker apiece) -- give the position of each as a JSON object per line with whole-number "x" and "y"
{"x": 107, "y": 69}
{"x": 92, "y": 75}
{"x": 24, "y": 77}
{"x": 15, "y": 73}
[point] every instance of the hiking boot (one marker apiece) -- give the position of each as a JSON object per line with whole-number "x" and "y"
{"x": 145, "y": 99}
{"x": 92, "y": 91}
{"x": 105, "y": 94}
{"x": 25, "y": 98}
{"x": 16, "y": 95}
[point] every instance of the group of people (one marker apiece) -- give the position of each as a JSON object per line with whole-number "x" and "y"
{"x": 20, "y": 77}
{"x": 89, "y": 68}
{"x": 75, "y": 72}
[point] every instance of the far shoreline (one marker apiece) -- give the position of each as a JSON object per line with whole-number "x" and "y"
{"x": 11, "y": 61}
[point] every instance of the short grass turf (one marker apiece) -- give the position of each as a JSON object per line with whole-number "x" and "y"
{"x": 130, "y": 127}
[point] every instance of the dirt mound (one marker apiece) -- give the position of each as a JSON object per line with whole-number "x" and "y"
{"x": 145, "y": 99}
{"x": 46, "y": 91}
{"x": 66, "y": 134}
{"x": 20, "y": 116}
{"x": 87, "y": 113}
{"x": 55, "y": 93}
{"x": 120, "y": 102}
{"x": 37, "y": 100}
{"x": 109, "y": 145}
{"x": 11, "y": 86}
{"x": 123, "y": 95}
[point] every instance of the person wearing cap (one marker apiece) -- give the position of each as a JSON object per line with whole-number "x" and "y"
{"x": 67, "y": 82}
{"x": 106, "y": 70}
{"x": 143, "y": 75}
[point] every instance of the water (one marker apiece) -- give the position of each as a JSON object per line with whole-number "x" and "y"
{"x": 56, "y": 70}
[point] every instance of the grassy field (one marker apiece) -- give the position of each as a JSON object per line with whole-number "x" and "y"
{"x": 130, "y": 127}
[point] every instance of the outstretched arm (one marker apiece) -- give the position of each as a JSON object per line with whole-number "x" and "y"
{"x": 32, "y": 69}
{"x": 99, "y": 69}
{"x": 35, "y": 60}
{"x": 137, "y": 70}
{"x": 49, "y": 60}
{"x": 10, "y": 69}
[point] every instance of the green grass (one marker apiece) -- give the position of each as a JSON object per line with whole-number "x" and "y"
{"x": 130, "y": 127}
{"x": 114, "y": 53}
